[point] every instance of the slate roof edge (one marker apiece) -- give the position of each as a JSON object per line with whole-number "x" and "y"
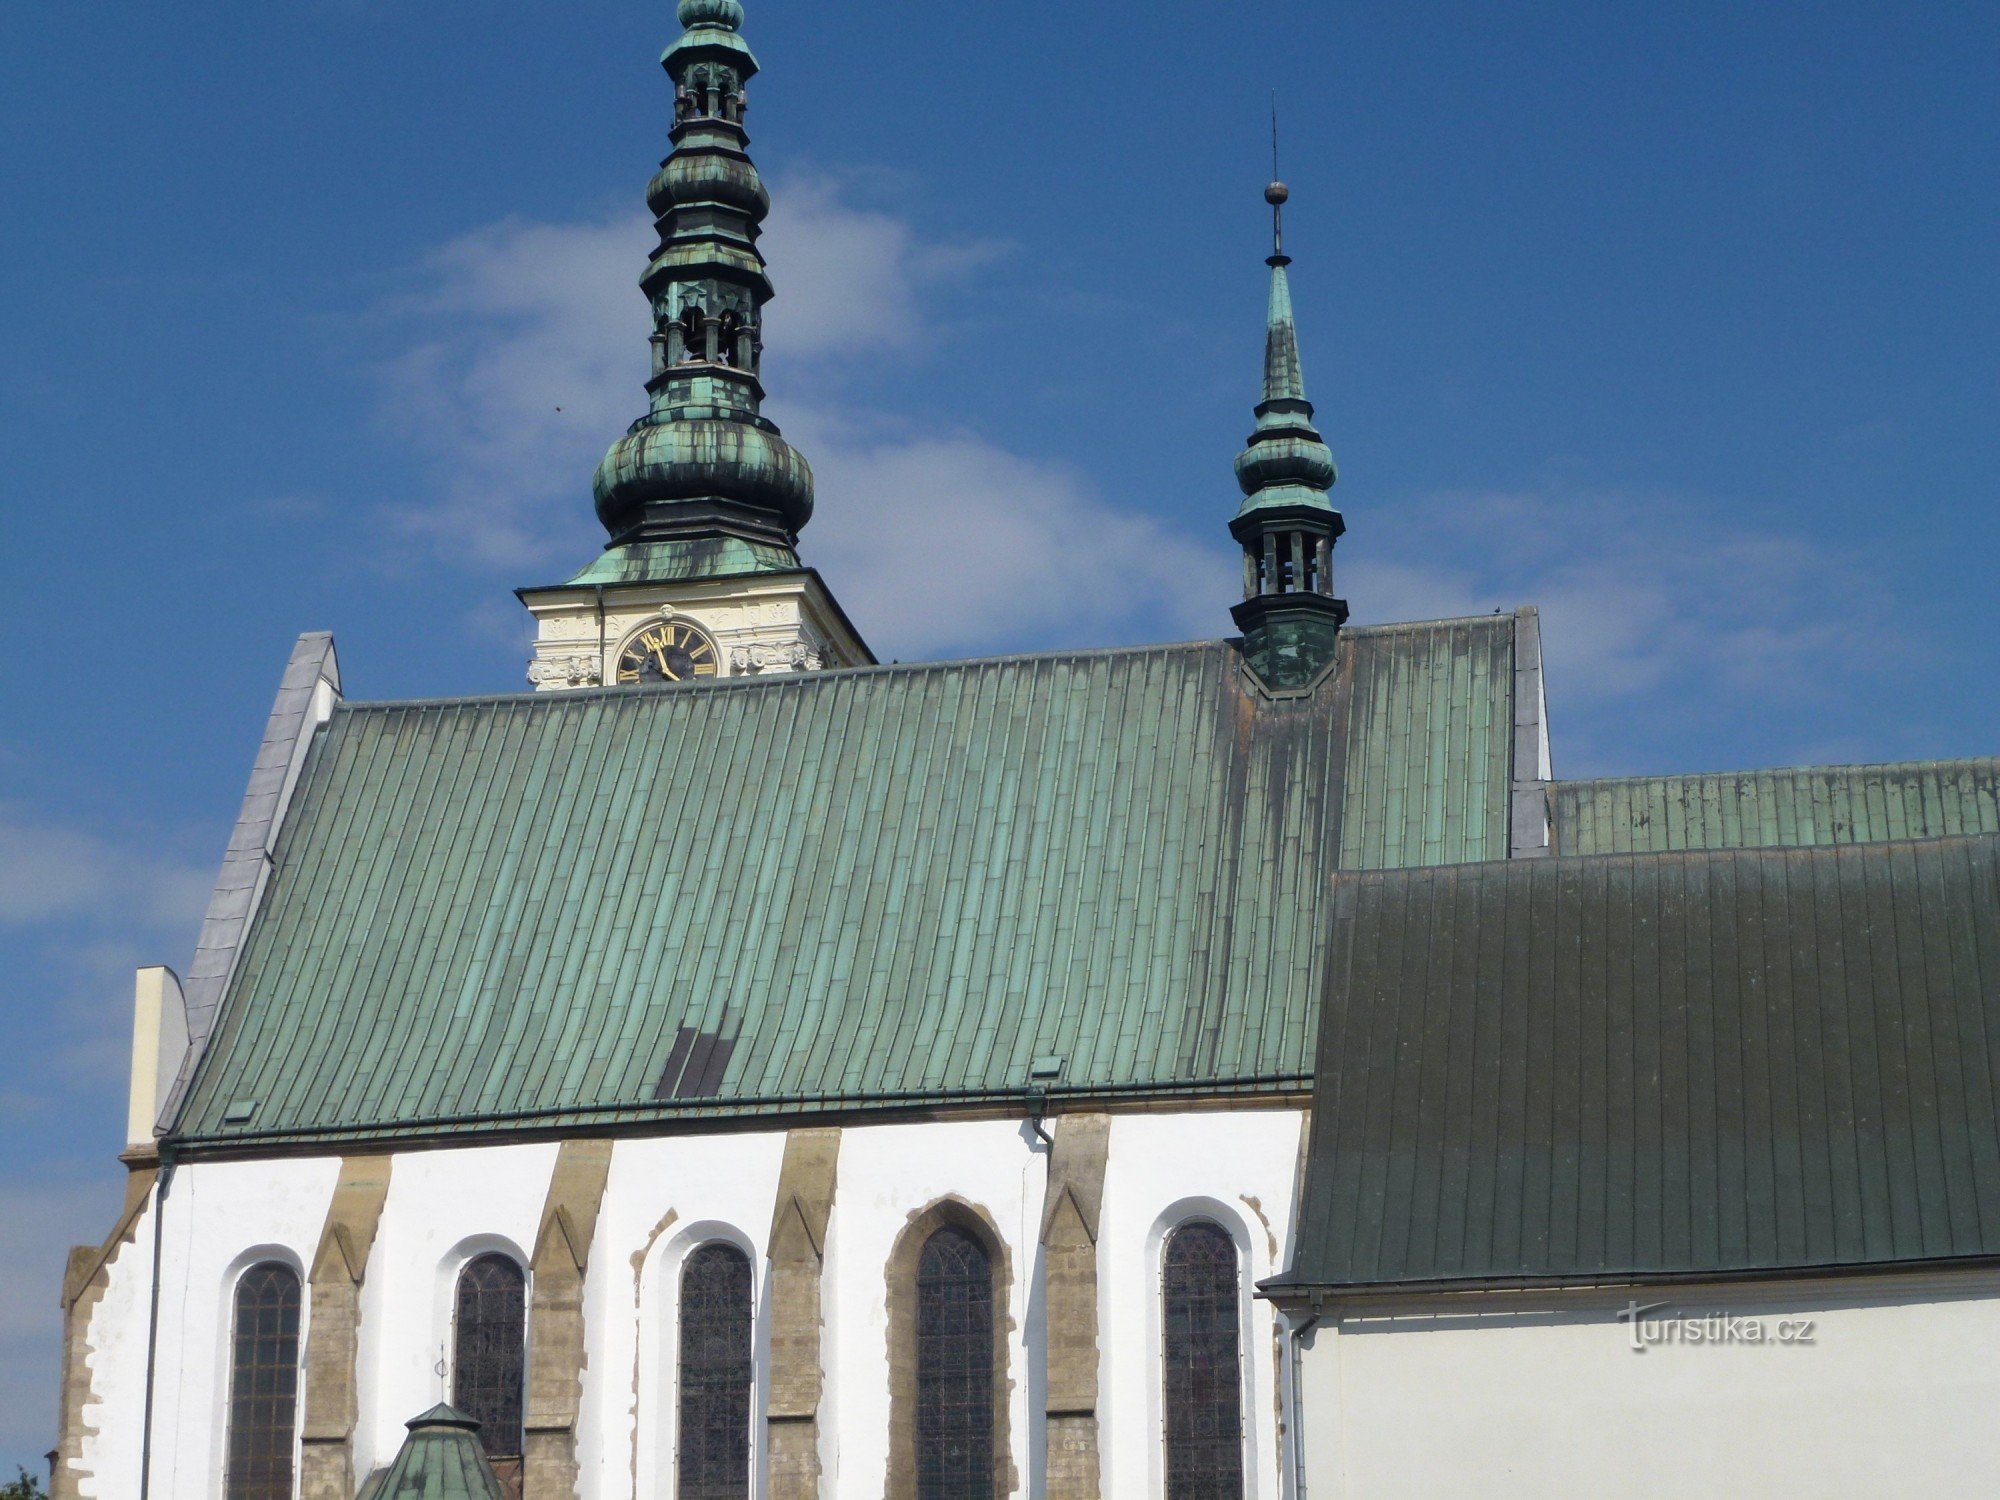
{"x": 308, "y": 693}
{"x": 1279, "y": 1288}
{"x": 1844, "y": 768}
{"x": 1530, "y": 827}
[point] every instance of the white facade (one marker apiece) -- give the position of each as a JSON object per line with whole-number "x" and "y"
{"x": 1863, "y": 1387}
{"x": 665, "y": 1196}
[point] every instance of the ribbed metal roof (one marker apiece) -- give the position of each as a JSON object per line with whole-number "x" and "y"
{"x": 1773, "y": 809}
{"x": 845, "y": 889}
{"x": 1675, "y": 1064}
{"x": 441, "y": 1459}
{"x": 1431, "y": 748}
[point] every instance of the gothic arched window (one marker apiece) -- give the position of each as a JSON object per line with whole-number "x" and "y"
{"x": 263, "y": 1384}
{"x": 716, "y": 1361}
{"x": 1204, "y": 1366}
{"x": 954, "y": 1405}
{"x": 490, "y": 1345}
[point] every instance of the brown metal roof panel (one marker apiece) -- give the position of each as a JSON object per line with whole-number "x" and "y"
{"x": 1720, "y": 1061}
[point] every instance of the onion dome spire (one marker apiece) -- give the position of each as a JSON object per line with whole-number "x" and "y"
{"x": 704, "y": 462}
{"x": 1287, "y": 525}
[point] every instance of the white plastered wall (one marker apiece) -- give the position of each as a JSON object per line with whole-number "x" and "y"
{"x": 664, "y": 1199}
{"x": 1237, "y": 1169}
{"x": 444, "y": 1208}
{"x": 888, "y": 1175}
{"x": 665, "y": 1196}
{"x": 1894, "y": 1395}
{"x": 220, "y": 1219}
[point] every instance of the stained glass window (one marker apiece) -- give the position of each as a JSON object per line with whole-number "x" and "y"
{"x": 1204, "y": 1368}
{"x": 264, "y": 1385}
{"x": 954, "y": 1407}
{"x": 491, "y": 1348}
{"x": 716, "y": 1361}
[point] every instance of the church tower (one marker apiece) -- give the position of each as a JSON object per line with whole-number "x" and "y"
{"x": 703, "y": 498}
{"x": 1287, "y": 525}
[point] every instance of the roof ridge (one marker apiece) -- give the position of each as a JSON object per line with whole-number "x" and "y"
{"x": 799, "y": 679}
{"x": 1390, "y": 627}
{"x": 785, "y": 680}
{"x": 1843, "y": 766}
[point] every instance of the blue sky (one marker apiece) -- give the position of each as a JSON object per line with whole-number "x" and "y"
{"x": 1681, "y": 321}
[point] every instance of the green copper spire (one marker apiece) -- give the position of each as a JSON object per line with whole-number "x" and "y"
{"x": 1286, "y": 525}
{"x": 704, "y": 462}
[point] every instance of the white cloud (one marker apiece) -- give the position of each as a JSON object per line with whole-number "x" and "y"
{"x": 77, "y": 914}
{"x": 52, "y": 873}
{"x": 1635, "y": 592}
{"x": 531, "y": 359}
{"x": 1055, "y": 563}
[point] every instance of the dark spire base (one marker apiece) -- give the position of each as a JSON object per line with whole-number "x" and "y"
{"x": 1288, "y": 639}
{"x": 675, "y": 520}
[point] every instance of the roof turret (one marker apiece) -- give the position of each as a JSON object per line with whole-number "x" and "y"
{"x": 704, "y": 461}
{"x": 1287, "y": 524}
{"x": 441, "y": 1459}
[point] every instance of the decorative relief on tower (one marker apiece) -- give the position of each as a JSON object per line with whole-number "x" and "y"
{"x": 565, "y": 671}
{"x": 800, "y": 656}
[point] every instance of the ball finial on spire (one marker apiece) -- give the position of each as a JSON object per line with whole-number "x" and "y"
{"x": 1277, "y": 195}
{"x": 727, "y": 14}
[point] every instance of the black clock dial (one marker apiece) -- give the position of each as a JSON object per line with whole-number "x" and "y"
{"x": 667, "y": 653}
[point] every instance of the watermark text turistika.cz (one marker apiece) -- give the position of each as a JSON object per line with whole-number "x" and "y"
{"x": 1651, "y": 1325}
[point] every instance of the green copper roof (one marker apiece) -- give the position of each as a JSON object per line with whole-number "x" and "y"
{"x": 441, "y": 1459}
{"x": 1284, "y": 376}
{"x": 704, "y": 461}
{"x": 1286, "y": 465}
{"x": 1430, "y": 748}
{"x": 534, "y": 910}
{"x": 688, "y": 560}
{"x": 1800, "y": 806}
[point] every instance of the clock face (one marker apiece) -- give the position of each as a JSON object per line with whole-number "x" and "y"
{"x": 667, "y": 653}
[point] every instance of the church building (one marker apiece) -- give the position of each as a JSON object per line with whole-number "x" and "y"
{"x": 737, "y": 1069}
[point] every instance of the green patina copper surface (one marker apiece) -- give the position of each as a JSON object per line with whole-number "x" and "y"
{"x": 518, "y": 912}
{"x": 1287, "y": 463}
{"x": 704, "y": 461}
{"x": 1789, "y": 807}
{"x": 441, "y": 1459}
{"x": 1430, "y": 742}
{"x": 1286, "y": 525}
{"x": 687, "y": 561}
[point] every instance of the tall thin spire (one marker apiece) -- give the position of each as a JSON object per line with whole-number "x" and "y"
{"x": 1287, "y": 524}
{"x": 704, "y": 462}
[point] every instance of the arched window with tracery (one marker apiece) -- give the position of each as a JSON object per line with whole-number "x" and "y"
{"x": 716, "y": 1363}
{"x": 490, "y": 1350}
{"x": 1204, "y": 1365}
{"x": 954, "y": 1405}
{"x": 263, "y": 1384}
